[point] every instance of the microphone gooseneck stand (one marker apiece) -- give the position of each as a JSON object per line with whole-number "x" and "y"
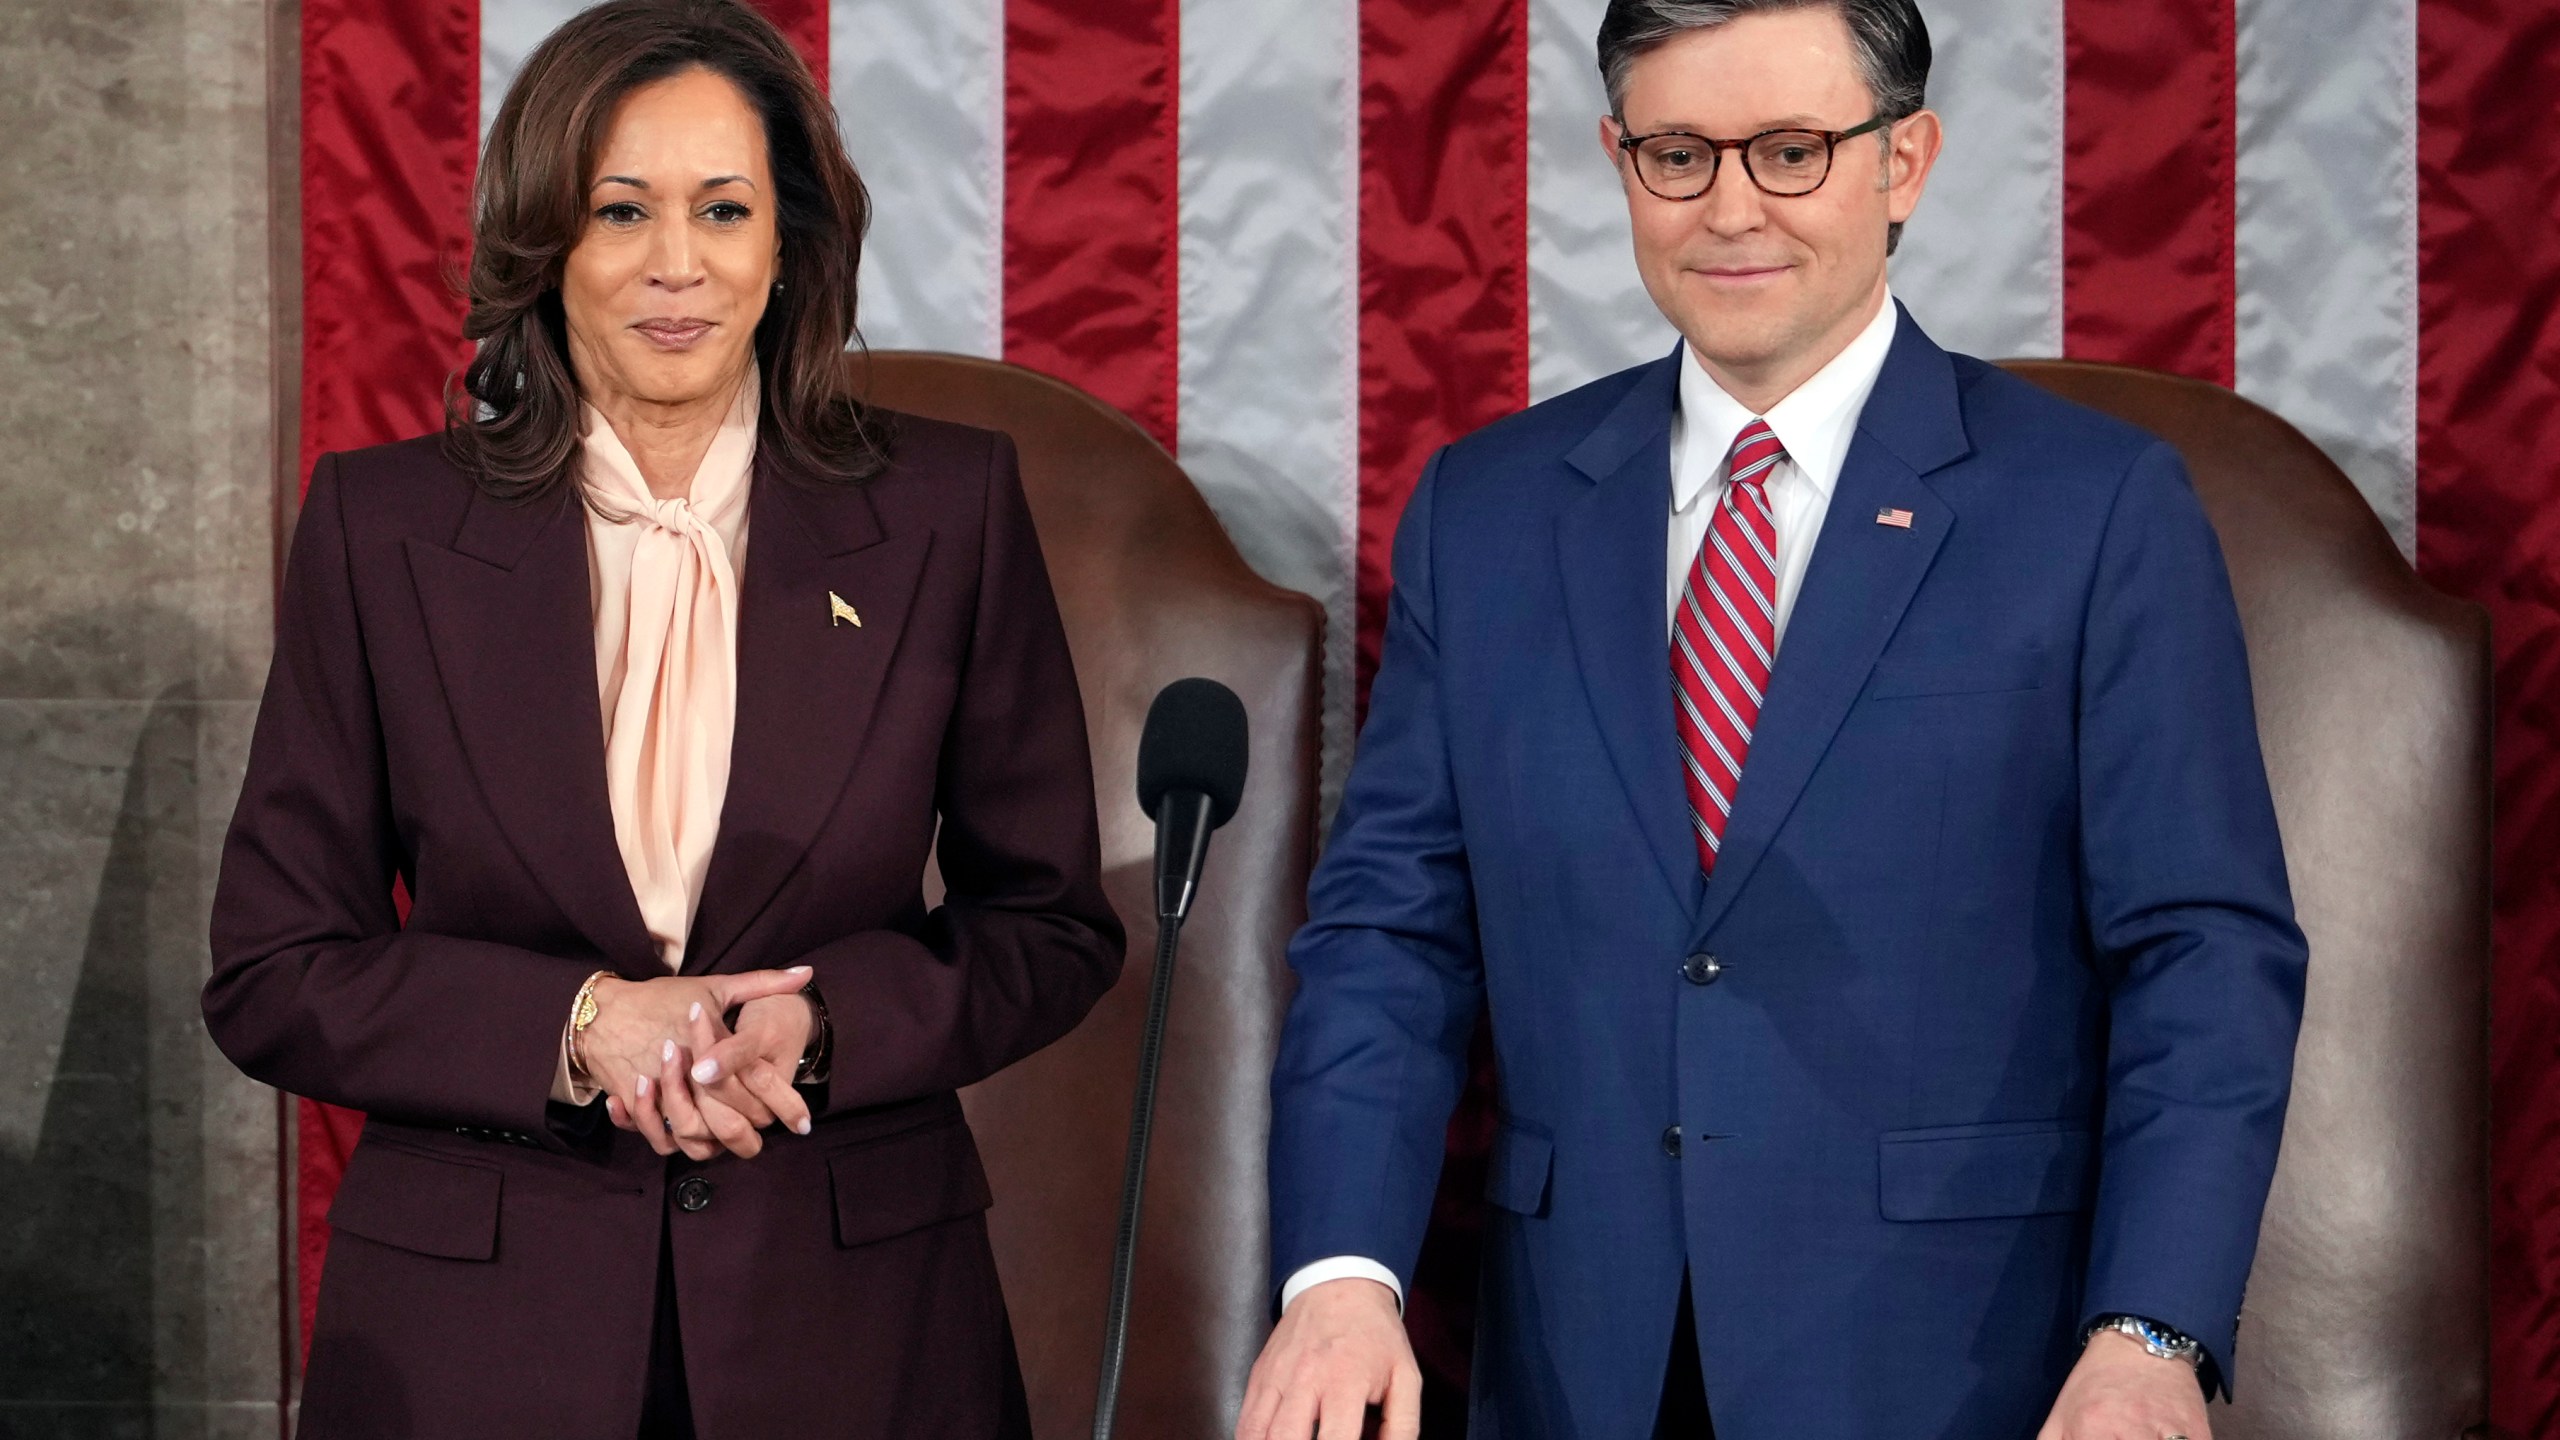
{"x": 1172, "y": 904}
{"x": 1192, "y": 760}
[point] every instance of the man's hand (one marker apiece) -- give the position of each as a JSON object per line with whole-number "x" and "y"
{"x": 2120, "y": 1391}
{"x": 1338, "y": 1349}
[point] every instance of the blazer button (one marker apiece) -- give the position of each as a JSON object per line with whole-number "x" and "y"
{"x": 1671, "y": 1142}
{"x": 1701, "y": 969}
{"x": 693, "y": 1194}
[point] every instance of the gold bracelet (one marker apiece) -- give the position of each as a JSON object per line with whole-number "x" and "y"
{"x": 582, "y": 1013}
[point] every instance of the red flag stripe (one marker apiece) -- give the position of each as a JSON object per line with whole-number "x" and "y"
{"x": 2149, "y": 163}
{"x": 390, "y": 136}
{"x": 1091, "y": 220}
{"x": 804, "y": 23}
{"x": 1444, "y": 250}
{"x": 2488, "y": 460}
{"x": 390, "y": 139}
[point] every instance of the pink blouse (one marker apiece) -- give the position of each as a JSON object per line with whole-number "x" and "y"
{"x": 664, "y": 575}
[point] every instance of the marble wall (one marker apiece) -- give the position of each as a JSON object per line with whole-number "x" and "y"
{"x": 139, "y": 394}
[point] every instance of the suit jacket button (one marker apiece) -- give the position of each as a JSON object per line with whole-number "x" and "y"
{"x": 1671, "y": 1142}
{"x": 1701, "y": 969}
{"x": 693, "y": 1194}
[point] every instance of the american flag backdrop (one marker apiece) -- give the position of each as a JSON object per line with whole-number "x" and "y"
{"x": 1303, "y": 242}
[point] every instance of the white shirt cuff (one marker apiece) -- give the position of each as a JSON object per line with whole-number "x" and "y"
{"x": 1340, "y": 1267}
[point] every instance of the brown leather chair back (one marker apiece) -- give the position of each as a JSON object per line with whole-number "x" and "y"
{"x": 2367, "y": 1313}
{"x": 1152, "y": 591}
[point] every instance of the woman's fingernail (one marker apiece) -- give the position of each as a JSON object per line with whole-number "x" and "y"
{"x": 667, "y": 1052}
{"x": 643, "y": 1087}
{"x": 797, "y": 970}
{"x": 803, "y": 1126}
{"x": 696, "y": 1012}
{"x": 704, "y": 1072}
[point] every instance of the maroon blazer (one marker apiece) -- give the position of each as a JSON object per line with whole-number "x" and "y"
{"x": 432, "y": 715}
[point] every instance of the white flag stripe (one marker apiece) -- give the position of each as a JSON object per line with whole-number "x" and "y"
{"x": 1589, "y": 315}
{"x": 919, "y": 90}
{"x": 1269, "y": 309}
{"x": 1981, "y": 263}
{"x": 2328, "y": 235}
{"x": 509, "y": 31}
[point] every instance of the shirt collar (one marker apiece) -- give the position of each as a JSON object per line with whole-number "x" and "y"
{"x": 1815, "y": 421}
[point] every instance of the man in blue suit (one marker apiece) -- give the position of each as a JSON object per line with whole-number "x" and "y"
{"x": 1831, "y": 761}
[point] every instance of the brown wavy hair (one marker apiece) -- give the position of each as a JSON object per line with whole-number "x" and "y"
{"x": 513, "y": 424}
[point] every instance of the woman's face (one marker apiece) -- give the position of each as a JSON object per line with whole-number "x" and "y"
{"x": 681, "y": 249}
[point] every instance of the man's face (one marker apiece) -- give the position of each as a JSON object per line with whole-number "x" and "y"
{"x": 1767, "y": 288}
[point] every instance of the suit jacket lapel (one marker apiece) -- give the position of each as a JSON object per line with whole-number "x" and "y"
{"x": 1610, "y": 544}
{"x": 807, "y": 685}
{"x": 510, "y": 620}
{"x": 1861, "y": 580}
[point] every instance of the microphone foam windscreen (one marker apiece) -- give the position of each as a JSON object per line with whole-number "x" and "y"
{"x": 1195, "y": 740}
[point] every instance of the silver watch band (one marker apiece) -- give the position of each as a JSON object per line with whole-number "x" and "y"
{"x": 2154, "y": 1337}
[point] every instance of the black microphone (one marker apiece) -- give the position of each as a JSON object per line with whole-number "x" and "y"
{"x": 1191, "y": 764}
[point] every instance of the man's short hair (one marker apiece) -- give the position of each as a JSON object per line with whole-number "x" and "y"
{"x": 1890, "y": 39}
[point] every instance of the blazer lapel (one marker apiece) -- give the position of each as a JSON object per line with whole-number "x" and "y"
{"x": 808, "y": 682}
{"x": 1609, "y": 547}
{"x": 1861, "y": 580}
{"x": 510, "y": 620}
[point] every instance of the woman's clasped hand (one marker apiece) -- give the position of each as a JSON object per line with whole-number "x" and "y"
{"x": 701, "y": 1064}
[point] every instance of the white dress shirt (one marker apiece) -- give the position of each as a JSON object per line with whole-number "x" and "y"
{"x": 1815, "y": 422}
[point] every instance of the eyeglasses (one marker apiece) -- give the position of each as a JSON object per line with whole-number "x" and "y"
{"x": 1676, "y": 165}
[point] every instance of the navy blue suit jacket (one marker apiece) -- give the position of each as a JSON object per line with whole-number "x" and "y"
{"x": 2008, "y": 984}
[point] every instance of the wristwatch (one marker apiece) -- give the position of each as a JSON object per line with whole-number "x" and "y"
{"x": 812, "y": 1069}
{"x": 2157, "y": 1338}
{"x": 582, "y": 1013}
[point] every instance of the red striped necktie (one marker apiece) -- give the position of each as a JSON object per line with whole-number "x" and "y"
{"x": 1724, "y": 638}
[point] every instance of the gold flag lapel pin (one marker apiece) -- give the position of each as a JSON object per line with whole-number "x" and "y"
{"x": 839, "y": 612}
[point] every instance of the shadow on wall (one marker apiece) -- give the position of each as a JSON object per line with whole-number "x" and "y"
{"x": 104, "y": 1295}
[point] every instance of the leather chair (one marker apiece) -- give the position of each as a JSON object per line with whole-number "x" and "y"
{"x": 1152, "y": 591}
{"x": 2367, "y": 1314}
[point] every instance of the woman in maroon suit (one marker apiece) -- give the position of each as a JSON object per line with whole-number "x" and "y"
{"x": 656, "y": 678}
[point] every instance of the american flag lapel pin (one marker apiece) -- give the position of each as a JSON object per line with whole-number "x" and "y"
{"x": 1898, "y": 519}
{"x": 839, "y": 612}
